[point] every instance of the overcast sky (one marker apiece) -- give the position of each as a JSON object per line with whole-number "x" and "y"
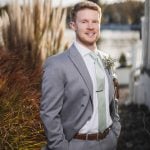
{"x": 66, "y": 2}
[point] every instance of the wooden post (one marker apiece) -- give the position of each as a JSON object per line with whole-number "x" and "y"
{"x": 146, "y": 36}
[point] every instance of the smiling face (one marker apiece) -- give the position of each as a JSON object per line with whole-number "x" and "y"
{"x": 87, "y": 27}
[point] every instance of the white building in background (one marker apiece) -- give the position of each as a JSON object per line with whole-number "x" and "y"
{"x": 141, "y": 92}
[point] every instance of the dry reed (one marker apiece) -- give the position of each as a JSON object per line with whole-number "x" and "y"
{"x": 33, "y": 29}
{"x": 30, "y": 33}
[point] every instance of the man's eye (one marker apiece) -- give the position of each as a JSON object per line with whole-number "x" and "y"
{"x": 83, "y": 21}
{"x": 95, "y": 22}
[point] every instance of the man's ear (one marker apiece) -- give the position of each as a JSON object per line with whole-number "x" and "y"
{"x": 72, "y": 25}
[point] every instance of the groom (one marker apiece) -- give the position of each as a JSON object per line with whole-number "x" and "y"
{"x": 78, "y": 108}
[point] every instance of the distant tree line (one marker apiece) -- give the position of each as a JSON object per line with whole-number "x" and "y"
{"x": 128, "y": 12}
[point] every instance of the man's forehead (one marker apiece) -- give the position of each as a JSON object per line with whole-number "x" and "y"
{"x": 86, "y": 13}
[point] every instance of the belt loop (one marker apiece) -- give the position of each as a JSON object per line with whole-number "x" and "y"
{"x": 97, "y": 136}
{"x": 87, "y": 136}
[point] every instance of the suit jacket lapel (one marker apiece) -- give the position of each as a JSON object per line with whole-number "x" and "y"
{"x": 81, "y": 66}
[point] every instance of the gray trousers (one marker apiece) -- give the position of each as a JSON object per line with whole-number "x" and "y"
{"x": 109, "y": 143}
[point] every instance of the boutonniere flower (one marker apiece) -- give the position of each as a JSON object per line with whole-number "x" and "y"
{"x": 109, "y": 62}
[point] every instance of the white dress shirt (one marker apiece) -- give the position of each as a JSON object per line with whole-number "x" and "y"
{"x": 91, "y": 125}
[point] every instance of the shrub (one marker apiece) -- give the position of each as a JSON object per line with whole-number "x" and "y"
{"x": 123, "y": 60}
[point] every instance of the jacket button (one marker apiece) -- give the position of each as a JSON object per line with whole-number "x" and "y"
{"x": 82, "y": 105}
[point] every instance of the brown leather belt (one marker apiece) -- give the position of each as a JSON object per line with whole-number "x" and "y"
{"x": 94, "y": 136}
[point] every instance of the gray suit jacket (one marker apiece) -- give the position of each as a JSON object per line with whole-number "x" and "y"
{"x": 66, "y": 102}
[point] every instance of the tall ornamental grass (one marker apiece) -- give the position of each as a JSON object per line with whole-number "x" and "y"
{"x": 33, "y": 29}
{"x": 30, "y": 33}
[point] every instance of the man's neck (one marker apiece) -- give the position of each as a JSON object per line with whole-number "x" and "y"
{"x": 91, "y": 47}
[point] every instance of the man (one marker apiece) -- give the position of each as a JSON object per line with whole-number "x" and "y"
{"x": 71, "y": 102}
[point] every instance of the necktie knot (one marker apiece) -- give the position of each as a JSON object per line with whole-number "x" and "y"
{"x": 93, "y": 55}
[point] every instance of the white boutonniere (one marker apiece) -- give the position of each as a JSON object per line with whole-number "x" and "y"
{"x": 108, "y": 62}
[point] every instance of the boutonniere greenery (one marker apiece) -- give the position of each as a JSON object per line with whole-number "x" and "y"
{"x": 109, "y": 62}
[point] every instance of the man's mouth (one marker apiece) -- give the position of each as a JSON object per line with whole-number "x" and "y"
{"x": 90, "y": 34}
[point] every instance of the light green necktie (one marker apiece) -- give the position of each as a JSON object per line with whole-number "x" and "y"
{"x": 100, "y": 80}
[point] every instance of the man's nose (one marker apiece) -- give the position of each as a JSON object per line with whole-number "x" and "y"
{"x": 90, "y": 25}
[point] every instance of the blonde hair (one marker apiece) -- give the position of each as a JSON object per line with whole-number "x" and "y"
{"x": 84, "y": 5}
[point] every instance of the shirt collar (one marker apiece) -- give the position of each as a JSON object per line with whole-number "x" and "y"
{"x": 83, "y": 50}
